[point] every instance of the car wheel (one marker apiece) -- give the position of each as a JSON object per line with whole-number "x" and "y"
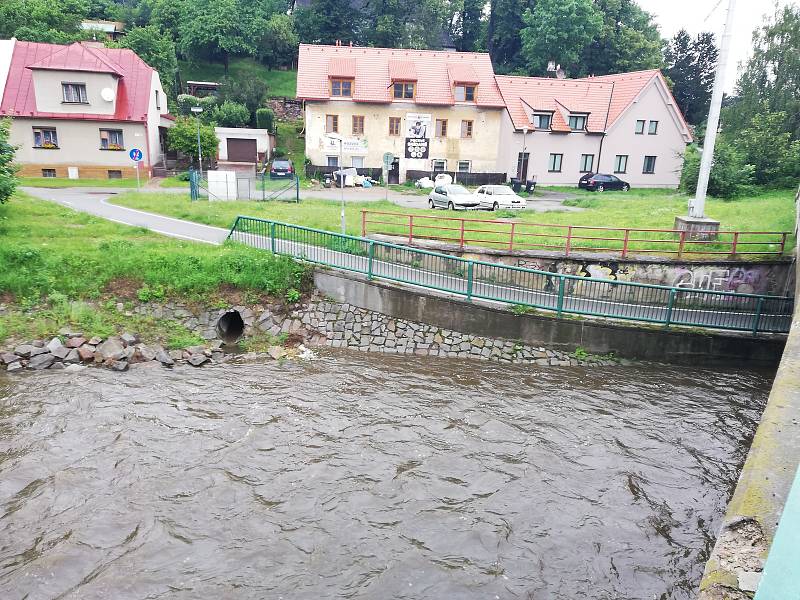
{"x": 625, "y": 187}
{"x": 495, "y": 206}
{"x": 600, "y": 188}
{"x": 451, "y": 206}
{"x": 430, "y": 203}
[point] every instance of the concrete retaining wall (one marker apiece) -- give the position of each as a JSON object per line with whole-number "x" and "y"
{"x": 566, "y": 334}
{"x": 774, "y": 277}
{"x": 734, "y": 569}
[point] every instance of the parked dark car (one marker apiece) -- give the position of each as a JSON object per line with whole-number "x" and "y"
{"x": 281, "y": 168}
{"x": 600, "y": 182}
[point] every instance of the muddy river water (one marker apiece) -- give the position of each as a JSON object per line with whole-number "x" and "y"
{"x": 368, "y": 476}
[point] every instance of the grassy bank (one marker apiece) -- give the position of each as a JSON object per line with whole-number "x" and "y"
{"x": 62, "y": 182}
{"x": 292, "y": 142}
{"x": 279, "y": 83}
{"x": 55, "y": 260}
{"x": 648, "y": 209}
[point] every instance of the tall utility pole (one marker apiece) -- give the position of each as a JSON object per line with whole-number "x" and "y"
{"x": 697, "y": 206}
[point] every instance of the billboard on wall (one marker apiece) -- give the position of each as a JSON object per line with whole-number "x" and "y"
{"x": 418, "y": 133}
{"x": 352, "y": 145}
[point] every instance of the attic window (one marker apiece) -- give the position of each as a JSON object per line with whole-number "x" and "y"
{"x": 465, "y": 93}
{"x": 404, "y": 90}
{"x": 342, "y": 88}
{"x": 542, "y": 120}
{"x": 577, "y": 122}
{"x": 74, "y": 93}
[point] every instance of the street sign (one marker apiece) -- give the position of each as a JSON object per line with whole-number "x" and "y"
{"x": 388, "y": 159}
{"x": 135, "y": 154}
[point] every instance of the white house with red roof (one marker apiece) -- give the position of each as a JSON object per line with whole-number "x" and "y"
{"x": 626, "y": 125}
{"x": 433, "y": 110}
{"x": 78, "y": 110}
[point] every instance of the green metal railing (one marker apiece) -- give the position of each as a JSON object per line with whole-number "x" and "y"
{"x": 560, "y": 293}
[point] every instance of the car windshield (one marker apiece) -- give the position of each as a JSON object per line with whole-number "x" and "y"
{"x": 281, "y": 164}
{"x": 457, "y": 189}
{"x": 502, "y": 191}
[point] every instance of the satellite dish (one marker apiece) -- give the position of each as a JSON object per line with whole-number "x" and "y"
{"x": 107, "y": 94}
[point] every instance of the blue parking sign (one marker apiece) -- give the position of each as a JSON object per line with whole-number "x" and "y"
{"x": 135, "y": 154}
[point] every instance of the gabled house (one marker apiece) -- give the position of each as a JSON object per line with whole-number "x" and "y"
{"x": 432, "y": 110}
{"x": 628, "y": 125}
{"x": 78, "y": 110}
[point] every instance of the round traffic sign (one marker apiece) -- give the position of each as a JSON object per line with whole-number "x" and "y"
{"x": 135, "y": 154}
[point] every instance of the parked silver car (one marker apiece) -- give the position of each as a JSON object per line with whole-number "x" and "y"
{"x": 452, "y": 197}
{"x": 497, "y": 197}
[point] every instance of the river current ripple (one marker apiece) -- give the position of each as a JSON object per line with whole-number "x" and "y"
{"x": 367, "y": 476}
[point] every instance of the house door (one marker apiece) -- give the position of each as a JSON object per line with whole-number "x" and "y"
{"x": 394, "y": 171}
{"x": 522, "y": 166}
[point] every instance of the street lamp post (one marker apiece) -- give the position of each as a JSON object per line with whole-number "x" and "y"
{"x": 340, "y": 139}
{"x": 197, "y": 110}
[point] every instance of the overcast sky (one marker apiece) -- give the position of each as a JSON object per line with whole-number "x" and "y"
{"x": 693, "y": 15}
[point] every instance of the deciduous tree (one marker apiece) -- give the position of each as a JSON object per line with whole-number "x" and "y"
{"x": 558, "y": 30}
{"x": 8, "y": 178}
{"x": 690, "y": 66}
{"x": 183, "y": 138}
{"x": 156, "y": 49}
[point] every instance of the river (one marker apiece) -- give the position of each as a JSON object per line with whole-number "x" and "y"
{"x": 368, "y": 476}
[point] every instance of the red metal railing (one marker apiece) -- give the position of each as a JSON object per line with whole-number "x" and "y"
{"x": 518, "y": 235}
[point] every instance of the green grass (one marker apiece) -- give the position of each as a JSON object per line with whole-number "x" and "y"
{"x": 60, "y": 182}
{"x": 279, "y": 83}
{"x": 292, "y": 142}
{"x": 646, "y": 209}
{"x": 173, "y": 182}
{"x": 52, "y": 258}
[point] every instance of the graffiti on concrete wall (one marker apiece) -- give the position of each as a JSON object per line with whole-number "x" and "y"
{"x": 744, "y": 279}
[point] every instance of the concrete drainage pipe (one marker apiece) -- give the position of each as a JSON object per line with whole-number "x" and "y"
{"x": 230, "y": 327}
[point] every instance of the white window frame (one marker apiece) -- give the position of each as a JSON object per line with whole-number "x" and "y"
{"x": 442, "y": 162}
{"x": 464, "y": 162}
{"x": 537, "y": 117}
{"x": 585, "y": 119}
{"x": 359, "y": 159}
{"x": 74, "y": 93}
{"x": 332, "y": 161}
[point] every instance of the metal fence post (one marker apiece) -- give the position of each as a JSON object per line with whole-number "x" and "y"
{"x": 462, "y": 234}
{"x": 670, "y": 304}
{"x": 569, "y": 240}
{"x": 371, "y": 257}
{"x": 561, "y": 282}
{"x": 757, "y": 319}
{"x": 735, "y": 243}
{"x": 235, "y": 224}
{"x": 410, "y": 229}
{"x": 272, "y": 237}
{"x": 363, "y": 223}
{"x": 511, "y": 237}
{"x": 470, "y": 274}
{"x": 625, "y": 243}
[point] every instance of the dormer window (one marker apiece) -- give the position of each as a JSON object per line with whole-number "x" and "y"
{"x": 342, "y": 88}
{"x": 465, "y": 93}
{"x": 542, "y": 120}
{"x": 404, "y": 90}
{"x": 74, "y": 93}
{"x": 577, "y": 122}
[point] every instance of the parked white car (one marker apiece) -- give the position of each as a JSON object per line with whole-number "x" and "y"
{"x": 499, "y": 197}
{"x": 452, "y": 197}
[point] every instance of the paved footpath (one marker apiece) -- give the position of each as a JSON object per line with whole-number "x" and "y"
{"x": 98, "y": 202}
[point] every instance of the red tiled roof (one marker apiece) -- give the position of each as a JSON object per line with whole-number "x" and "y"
{"x": 76, "y": 57}
{"x": 462, "y": 73}
{"x": 133, "y": 87}
{"x": 558, "y": 96}
{"x": 402, "y": 70}
{"x": 375, "y": 67}
{"x": 342, "y": 67}
{"x": 627, "y": 87}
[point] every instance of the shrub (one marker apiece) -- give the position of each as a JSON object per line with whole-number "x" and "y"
{"x": 265, "y": 119}
{"x": 231, "y": 114}
{"x": 278, "y": 152}
{"x": 730, "y": 175}
{"x": 187, "y": 101}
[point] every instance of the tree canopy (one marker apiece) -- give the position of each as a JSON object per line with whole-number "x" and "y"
{"x": 690, "y": 66}
{"x": 8, "y": 179}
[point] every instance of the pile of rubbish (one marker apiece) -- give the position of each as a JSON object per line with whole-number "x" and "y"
{"x": 427, "y": 183}
{"x": 350, "y": 177}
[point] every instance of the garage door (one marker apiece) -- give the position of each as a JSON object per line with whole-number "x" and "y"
{"x": 242, "y": 150}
